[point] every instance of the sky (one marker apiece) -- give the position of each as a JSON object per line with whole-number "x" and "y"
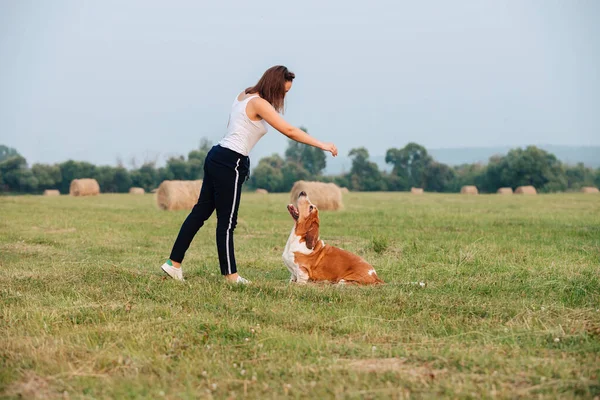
{"x": 143, "y": 80}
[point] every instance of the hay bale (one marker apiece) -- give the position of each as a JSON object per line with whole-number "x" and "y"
{"x": 469, "y": 190}
{"x": 136, "y": 190}
{"x": 345, "y": 190}
{"x": 505, "y": 190}
{"x": 51, "y": 192}
{"x": 415, "y": 190}
{"x": 178, "y": 195}
{"x": 262, "y": 191}
{"x": 84, "y": 187}
{"x": 326, "y": 196}
{"x": 526, "y": 190}
{"x": 589, "y": 189}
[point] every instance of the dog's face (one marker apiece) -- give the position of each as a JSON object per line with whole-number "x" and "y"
{"x": 306, "y": 216}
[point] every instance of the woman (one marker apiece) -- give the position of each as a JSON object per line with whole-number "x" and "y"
{"x": 227, "y": 166}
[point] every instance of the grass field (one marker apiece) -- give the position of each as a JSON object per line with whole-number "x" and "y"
{"x": 511, "y": 307}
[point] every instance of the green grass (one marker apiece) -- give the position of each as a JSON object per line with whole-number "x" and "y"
{"x": 511, "y": 306}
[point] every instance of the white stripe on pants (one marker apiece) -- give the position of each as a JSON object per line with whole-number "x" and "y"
{"x": 237, "y": 176}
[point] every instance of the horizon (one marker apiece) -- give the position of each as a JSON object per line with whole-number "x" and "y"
{"x": 336, "y": 165}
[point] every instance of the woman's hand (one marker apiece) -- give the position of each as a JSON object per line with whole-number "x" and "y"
{"x": 330, "y": 147}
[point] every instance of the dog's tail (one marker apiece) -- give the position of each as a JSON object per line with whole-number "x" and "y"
{"x": 373, "y": 279}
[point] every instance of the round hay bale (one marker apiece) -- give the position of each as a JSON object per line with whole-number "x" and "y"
{"x": 469, "y": 189}
{"x": 415, "y": 190}
{"x": 51, "y": 192}
{"x": 525, "y": 190}
{"x": 262, "y": 191}
{"x": 345, "y": 190}
{"x": 326, "y": 196}
{"x": 178, "y": 195}
{"x": 505, "y": 190}
{"x": 136, "y": 190}
{"x": 589, "y": 189}
{"x": 84, "y": 187}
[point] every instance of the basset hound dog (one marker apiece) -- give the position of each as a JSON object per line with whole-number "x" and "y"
{"x": 308, "y": 258}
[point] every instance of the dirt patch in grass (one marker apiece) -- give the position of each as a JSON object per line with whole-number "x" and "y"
{"x": 32, "y": 386}
{"x": 65, "y": 230}
{"x": 25, "y": 248}
{"x": 397, "y": 365}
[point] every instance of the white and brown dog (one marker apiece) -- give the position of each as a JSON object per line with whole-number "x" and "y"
{"x": 309, "y": 259}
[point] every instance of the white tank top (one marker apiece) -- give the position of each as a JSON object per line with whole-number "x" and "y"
{"x": 242, "y": 132}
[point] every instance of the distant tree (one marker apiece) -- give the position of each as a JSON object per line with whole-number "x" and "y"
{"x": 113, "y": 179}
{"x": 7, "y": 152}
{"x": 396, "y": 183}
{"x": 491, "y": 178}
{"x": 438, "y": 177}
{"x": 195, "y": 168}
{"x": 16, "y": 177}
{"x": 162, "y": 174}
{"x": 578, "y": 176}
{"x": 273, "y": 160}
{"x": 268, "y": 174}
{"x": 70, "y": 170}
{"x": 177, "y": 168}
{"x": 48, "y": 176}
{"x": 342, "y": 180}
{"x": 146, "y": 177}
{"x": 410, "y": 164}
{"x": 105, "y": 175}
{"x": 533, "y": 166}
{"x": 309, "y": 158}
{"x": 467, "y": 174}
{"x": 293, "y": 172}
{"x": 123, "y": 181}
{"x": 364, "y": 174}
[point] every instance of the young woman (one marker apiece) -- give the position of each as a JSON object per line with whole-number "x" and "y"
{"x": 227, "y": 166}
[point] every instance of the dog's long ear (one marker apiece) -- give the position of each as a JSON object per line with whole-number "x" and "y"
{"x": 312, "y": 234}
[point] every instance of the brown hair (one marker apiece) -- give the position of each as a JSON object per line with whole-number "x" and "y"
{"x": 271, "y": 85}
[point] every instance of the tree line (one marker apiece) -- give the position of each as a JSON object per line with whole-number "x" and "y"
{"x": 411, "y": 166}
{"x": 17, "y": 177}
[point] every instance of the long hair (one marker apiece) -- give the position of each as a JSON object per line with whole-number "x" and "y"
{"x": 271, "y": 86}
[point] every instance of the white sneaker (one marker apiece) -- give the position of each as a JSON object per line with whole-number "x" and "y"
{"x": 241, "y": 281}
{"x": 175, "y": 273}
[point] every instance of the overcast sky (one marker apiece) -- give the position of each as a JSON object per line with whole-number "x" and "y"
{"x": 97, "y": 80}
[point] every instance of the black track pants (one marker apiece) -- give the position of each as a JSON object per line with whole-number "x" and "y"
{"x": 224, "y": 173}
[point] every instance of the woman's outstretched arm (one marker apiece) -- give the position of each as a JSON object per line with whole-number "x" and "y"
{"x": 266, "y": 111}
